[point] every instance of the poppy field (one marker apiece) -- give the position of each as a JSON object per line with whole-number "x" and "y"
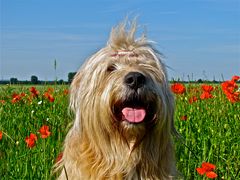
{"x": 35, "y": 119}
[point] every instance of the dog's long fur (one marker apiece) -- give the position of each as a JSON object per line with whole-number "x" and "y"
{"x": 99, "y": 145}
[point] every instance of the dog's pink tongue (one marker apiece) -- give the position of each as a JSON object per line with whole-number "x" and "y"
{"x": 134, "y": 115}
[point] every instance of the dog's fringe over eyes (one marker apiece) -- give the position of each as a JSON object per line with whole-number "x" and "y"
{"x": 123, "y": 114}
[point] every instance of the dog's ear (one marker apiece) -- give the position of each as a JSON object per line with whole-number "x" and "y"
{"x": 170, "y": 110}
{"x": 74, "y": 103}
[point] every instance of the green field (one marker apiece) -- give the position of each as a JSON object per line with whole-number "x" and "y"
{"x": 210, "y": 130}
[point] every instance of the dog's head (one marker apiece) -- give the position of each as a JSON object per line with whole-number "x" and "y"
{"x": 123, "y": 88}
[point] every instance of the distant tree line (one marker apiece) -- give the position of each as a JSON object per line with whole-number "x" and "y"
{"x": 199, "y": 81}
{"x": 34, "y": 80}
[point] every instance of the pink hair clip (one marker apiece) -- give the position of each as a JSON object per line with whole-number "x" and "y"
{"x": 124, "y": 53}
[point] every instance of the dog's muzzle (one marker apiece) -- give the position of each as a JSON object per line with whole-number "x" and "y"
{"x": 134, "y": 80}
{"x": 135, "y": 107}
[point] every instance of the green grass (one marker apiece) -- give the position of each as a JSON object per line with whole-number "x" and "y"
{"x": 211, "y": 133}
{"x": 18, "y": 120}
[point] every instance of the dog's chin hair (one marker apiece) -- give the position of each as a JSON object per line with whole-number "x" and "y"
{"x": 102, "y": 146}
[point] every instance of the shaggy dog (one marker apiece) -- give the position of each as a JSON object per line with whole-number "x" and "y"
{"x": 123, "y": 114}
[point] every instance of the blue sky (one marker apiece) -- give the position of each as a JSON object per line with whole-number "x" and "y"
{"x": 199, "y": 38}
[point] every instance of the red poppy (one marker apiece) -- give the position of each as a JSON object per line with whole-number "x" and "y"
{"x": 16, "y": 98}
{"x": 49, "y": 96}
{"x": 22, "y": 94}
{"x": 178, "y": 88}
{"x": 2, "y": 101}
{"x": 44, "y": 131}
{"x": 201, "y": 171}
{"x": 50, "y": 90}
{"x": 233, "y": 97}
{"x": 211, "y": 174}
{"x": 235, "y": 78}
{"x": 207, "y": 168}
{"x": 207, "y": 88}
{"x": 14, "y": 95}
{"x": 229, "y": 86}
{"x": 34, "y": 91}
{"x": 30, "y": 140}
{"x": 1, "y": 134}
{"x": 230, "y": 90}
{"x": 206, "y": 95}
{"x": 59, "y": 157}
{"x": 65, "y": 92}
{"x": 184, "y": 118}
{"x": 193, "y": 99}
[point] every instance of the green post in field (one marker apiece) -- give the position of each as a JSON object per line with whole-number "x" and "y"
{"x": 55, "y": 69}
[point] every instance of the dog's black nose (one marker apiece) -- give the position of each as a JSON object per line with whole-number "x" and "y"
{"x": 134, "y": 80}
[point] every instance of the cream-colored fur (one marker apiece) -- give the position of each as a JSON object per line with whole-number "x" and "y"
{"x": 99, "y": 145}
